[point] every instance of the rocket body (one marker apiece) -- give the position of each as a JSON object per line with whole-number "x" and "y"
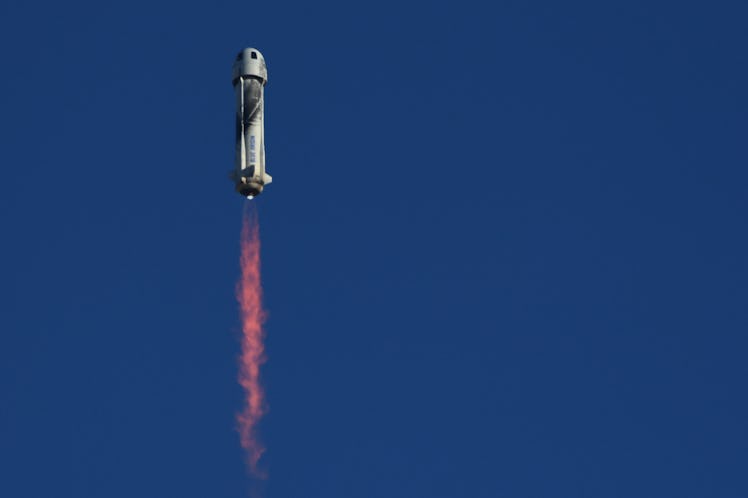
{"x": 249, "y": 77}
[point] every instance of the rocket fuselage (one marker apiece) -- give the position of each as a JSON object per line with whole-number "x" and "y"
{"x": 249, "y": 77}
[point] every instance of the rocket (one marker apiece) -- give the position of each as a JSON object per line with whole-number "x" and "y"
{"x": 249, "y": 77}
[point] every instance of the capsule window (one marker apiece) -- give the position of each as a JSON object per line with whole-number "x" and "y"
{"x": 254, "y": 55}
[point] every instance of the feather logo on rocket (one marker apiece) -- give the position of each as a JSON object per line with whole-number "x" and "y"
{"x": 252, "y": 149}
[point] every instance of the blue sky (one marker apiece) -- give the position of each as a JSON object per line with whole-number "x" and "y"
{"x": 504, "y": 251}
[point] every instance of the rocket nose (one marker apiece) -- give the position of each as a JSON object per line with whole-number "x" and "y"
{"x": 249, "y": 63}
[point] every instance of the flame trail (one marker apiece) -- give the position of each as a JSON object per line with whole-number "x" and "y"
{"x": 249, "y": 295}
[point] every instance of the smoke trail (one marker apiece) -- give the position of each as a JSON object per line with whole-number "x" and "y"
{"x": 249, "y": 295}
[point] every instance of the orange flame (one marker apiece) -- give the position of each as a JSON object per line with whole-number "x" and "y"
{"x": 249, "y": 295}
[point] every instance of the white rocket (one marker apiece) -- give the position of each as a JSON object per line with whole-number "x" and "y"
{"x": 249, "y": 77}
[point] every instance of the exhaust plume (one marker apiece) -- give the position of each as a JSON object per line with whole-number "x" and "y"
{"x": 249, "y": 295}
